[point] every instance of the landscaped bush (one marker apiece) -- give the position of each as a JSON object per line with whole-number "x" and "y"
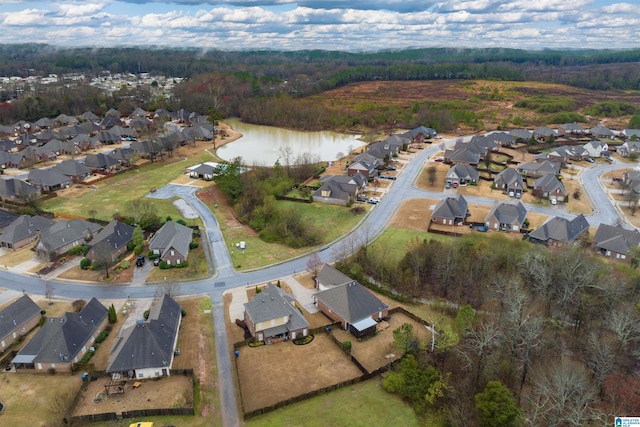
{"x": 346, "y": 346}
{"x": 103, "y": 336}
{"x": 87, "y": 356}
{"x": 164, "y": 266}
{"x": 183, "y": 264}
{"x": 146, "y": 314}
{"x": 125, "y": 264}
{"x": 193, "y": 244}
{"x": 256, "y": 344}
{"x": 183, "y": 312}
{"x": 303, "y": 340}
{"x": 79, "y": 250}
{"x": 152, "y": 255}
{"x": 138, "y": 249}
{"x": 130, "y": 246}
{"x": 85, "y": 263}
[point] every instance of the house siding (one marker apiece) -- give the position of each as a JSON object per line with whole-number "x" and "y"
{"x": 19, "y": 331}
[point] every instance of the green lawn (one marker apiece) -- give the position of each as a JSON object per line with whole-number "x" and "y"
{"x": 363, "y": 404}
{"x": 394, "y": 241}
{"x": 112, "y": 195}
{"x": 197, "y": 267}
{"x": 330, "y": 220}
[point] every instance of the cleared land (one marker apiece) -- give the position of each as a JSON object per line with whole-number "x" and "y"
{"x": 271, "y": 373}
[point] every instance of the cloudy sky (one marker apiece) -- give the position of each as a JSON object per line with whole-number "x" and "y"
{"x": 351, "y": 25}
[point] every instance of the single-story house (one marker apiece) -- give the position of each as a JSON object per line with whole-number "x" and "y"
{"x": 543, "y": 133}
{"x": 147, "y": 349}
{"x": 204, "y": 171}
{"x": 510, "y": 182}
{"x": 172, "y": 242}
{"x": 61, "y": 342}
{"x": 615, "y": 241}
{"x": 111, "y": 241}
{"x": 351, "y": 304}
{"x": 450, "y": 211}
{"x": 74, "y": 170}
{"x": 462, "y": 174}
{"x": 272, "y": 314}
{"x": 537, "y": 169}
{"x": 337, "y": 190}
{"x": 463, "y": 154}
{"x": 17, "y": 319}
{"x": 560, "y": 231}
{"x": 101, "y": 162}
{"x": 602, "y": 132}
{"x": 48, "y": 180}
{"x": 549, "y": 187}
{"x": 15, "y": 190}
{"x": 506, "y": 217}
{"x": 64, "y": 235}
{"x": 571, "y": 129}
{"x": 23, "y": 230}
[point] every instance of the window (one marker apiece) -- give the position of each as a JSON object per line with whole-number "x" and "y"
{"x": 173, "y": 252}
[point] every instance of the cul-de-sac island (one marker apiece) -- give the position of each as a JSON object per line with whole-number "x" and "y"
{"x": 319, "y": 240}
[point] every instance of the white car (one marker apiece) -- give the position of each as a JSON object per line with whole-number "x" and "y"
{"x": 374, "y": 200}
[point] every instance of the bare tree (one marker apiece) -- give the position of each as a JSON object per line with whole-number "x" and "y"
{"x": 339, "y": 156}
{"x": 624, "y": 326}
{"x": 480, "y": 342}
{"x": 48, "y": 291}
{"x": 169, "y": 288}
{"x": 431, "y": 175}
{"x": 599, "y": 356}
{"x": 314, "y": 263}
{"x": 102, "y": 255}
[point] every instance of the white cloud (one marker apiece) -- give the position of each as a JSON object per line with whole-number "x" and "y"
{"x": 73, "y": 9}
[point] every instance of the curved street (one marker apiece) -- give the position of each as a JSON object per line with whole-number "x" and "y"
{"x": 225, "y": 278}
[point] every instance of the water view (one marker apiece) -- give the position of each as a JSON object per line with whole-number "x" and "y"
{"x": 265, "y": 144}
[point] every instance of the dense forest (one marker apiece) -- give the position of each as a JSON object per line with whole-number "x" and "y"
{"x": 543, "y": 336}
{"x": 277, "y": 88}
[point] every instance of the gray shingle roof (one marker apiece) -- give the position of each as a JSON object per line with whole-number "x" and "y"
{"x": 463, "y": 171}
{"x": 13, "y": 187}
{"x": 351, "y": 301}
{"x": 23, "y": 227}
{"x": 62, "y": 233}
{"x": 561, "y": 229}
{"x": 116, "y": 234}
{"x": 548, "y": 183}
{"x": 274, "y": 303}
{"x": 61, "y": 339}
{"x": 451, "y": 208}
{"x": 330, "y": 276}
{"x": 47, "y": 177}
{"x": 17, "y": 314}
{"x": 616, "y": 238}
{"x": 172, "y": 236}
{"x": 510, "y": 177}
{"x": 71, "y": 168}
{"x": 507, "y": 213}
{"x": 100, "y": 160}
{"x": 149, "y": 344}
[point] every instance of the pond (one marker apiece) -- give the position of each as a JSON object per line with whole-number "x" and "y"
{"x": 263, "y": 145}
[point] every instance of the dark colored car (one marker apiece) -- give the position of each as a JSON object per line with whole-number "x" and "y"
{"x": 156, "y": 262}
{"x": 140, "y": 261}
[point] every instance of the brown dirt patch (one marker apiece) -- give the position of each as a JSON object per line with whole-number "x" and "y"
{"x": 271, "y": 373}
{"x": 438, "y": 184}
{"x": 414, "y": 214}
{"x": 167, "y": 392}
{"x": 376, "y": 352}
{"x": 213, "y": 196}
{"x": 306, "y": 280}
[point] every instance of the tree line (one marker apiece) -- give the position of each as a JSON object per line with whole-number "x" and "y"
{"x": 553, "y": 331}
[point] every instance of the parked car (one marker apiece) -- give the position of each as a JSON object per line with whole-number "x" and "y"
{"x": 439, "y": 159}
{"x": 362, "y": 199}
{"x": 454, "y": 185}
{"x": 391, "y": 168}
{"x": 156, "y": 261}
{"x": 447, "y": 185}
{"x": 617, "y": 179}
{"x": 392, "y": 178}
{"x": 590, "y": 160}
{"x": 374, "y": 200}
{"x": 482, "y": 228}
{"x": 140, "y": 261}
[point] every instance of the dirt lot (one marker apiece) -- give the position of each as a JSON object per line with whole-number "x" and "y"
{"x": 376, "y": 352}
{"x": 166, "y": 392}
{"x": 271, "y": 373}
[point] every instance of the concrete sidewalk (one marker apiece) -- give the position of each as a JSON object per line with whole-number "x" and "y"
{"x": 303, "y": 295}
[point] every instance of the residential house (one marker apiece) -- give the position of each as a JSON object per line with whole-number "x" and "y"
{"x": 204, "y": 171}
{"x": 272, "y": 314}
{"x": 510, "y": 182}
{"x": 465, "y": 155}
{"x": 101, "y": 162}
{"x": 502, "y": 139}
{"x": 351, "y": 304}
{"x": 616, "y": 242}
{"x": 61, "y": 342}
{"x": 421, "y": 133}
{"x": 521, "y": 135}
{"x": 506, "y": 217}
{"x": 329, "y": 277}
{"x": 631, "y": 180}
{"x": 339, "y": 190}
{"x": 48, "y": 180}
{"x": 549, "y": 187}
{"x": 147, "y": 348}
{"x": 602, "y": 132}
{"x": 483, "y": 144}
{"x": 111, "y": 241}
{"x": 629, "y": 148}
{"x": 538, "y": 169}
{"x": 571, "y": 129}
{"x": 15, "y": 190}
{"x": 172, "y": 242}
{"x": 450, "y": 211}
{"x": 543, "y": 133}
{"x": 62, "y": 236}
{"x": 596, "y": 148}
{"x": 560, "y": 231}
{"x": 631, "y": 134}
{"x": 23, "y": 231}
{"x": 73, "y": 169}
{"x": 462, "y": 174}
{"x": 17, "y": 319}
{"x": 364, "y": 163}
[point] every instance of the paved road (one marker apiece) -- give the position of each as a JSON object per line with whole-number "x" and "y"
{"x": 372, "y": 225}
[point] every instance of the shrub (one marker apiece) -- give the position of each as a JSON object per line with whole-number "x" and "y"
{"x": 164, "y": 266}
{"x": 346, "y": 346}
{"x": 138, "y": 249}
{"x": 87, "y": 356}
{"x": 130, "y": 246}
{"x": 193, "y": 244}
{"x": 113, "y": 315}
{"x": 146, "y": 315}
{"x": 183, "y": 312}
{"x": 152, "y": 255}
{"x": 85, "y": 263}
{"x": 78, "y": 305}
{"x": 303, "y": 340}
{"x": 256, "y": 344}
{"x": 125, "y": 264}
{"x": 183, "y": 264}
{"x": 103, "y": 336}
{"x": 78, "y": 250}
{"x": 182, "y": 222}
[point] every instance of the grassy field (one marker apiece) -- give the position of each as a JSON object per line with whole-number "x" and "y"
{"x": 111, "y": 195}
{"x": 362, "y": 404}
{"x": 394, "y": 241}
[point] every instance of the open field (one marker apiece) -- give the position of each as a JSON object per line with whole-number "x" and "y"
{"x": 496, "y": 110}
{"x": 271, "y": 373}
{"x": 362, "y": 404}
